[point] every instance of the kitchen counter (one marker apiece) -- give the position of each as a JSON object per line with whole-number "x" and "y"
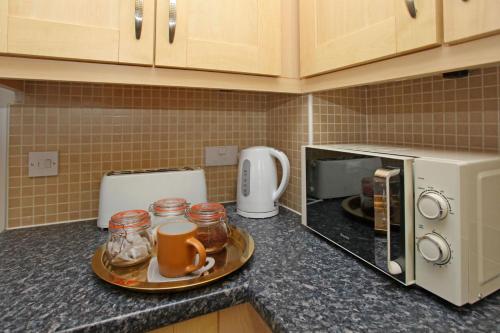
{"x": 296, "y": 281}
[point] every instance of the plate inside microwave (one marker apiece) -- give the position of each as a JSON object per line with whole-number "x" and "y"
{"x": 352, "y": 205}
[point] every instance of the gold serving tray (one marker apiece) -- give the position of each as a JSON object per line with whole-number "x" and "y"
{"x": 237, "y": 252}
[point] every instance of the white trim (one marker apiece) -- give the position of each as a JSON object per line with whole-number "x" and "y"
{"x": 309, "y": 119}
{"x": 227, "y": 202}
{"x": 95, "y": 218}
{"x": 54, "y": 223}
{"x": 292, "y": 210}
{"x": 6, "y": 97}
{"x": 3, "y": 166}
{"x": 303, "y": 184}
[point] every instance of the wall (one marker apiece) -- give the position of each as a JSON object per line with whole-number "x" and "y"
{"x": 287, "y": 130}
{"x": 97, "y": 128}
{"x": 102, "y": 127}
{"x": 435, "y": 112}
{"x": 339, "y": 116}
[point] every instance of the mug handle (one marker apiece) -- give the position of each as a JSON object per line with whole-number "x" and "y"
{"x": 201, "y": 253}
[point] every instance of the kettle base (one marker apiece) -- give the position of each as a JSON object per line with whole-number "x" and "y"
{"x": 258, "y": 215}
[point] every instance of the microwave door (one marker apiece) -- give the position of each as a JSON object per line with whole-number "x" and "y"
{"x": 339, "y": 205}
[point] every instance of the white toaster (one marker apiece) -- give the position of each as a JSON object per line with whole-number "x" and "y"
{"x": 124, "y": 190}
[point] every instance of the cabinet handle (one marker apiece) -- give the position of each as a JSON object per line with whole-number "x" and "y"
{"x": 139, "y": 14}
{"x": 410, "y": 4}
{"x": 172, "y": 20}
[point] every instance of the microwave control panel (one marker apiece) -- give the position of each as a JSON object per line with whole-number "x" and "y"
{"x": 433, "y": 205}
{"x": 438, "y": 266}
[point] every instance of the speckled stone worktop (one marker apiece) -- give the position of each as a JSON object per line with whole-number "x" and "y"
{"x": 296, "y": 281}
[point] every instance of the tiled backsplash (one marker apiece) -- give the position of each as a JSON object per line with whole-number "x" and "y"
{"x": 434, "y": 112}
{"x": 339, "y": 116}
{"x": 287, "y": 130}
{"x": 97, "y": 128}
{"x": 461, "y": 113}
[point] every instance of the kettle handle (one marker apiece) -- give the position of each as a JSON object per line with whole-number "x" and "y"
{"x": 285, "y": 165}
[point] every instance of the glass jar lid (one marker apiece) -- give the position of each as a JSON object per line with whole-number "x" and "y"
{"x": 169, "y": 207}
{"x": 207, "y": 212}
{"x": 130, "y": 219}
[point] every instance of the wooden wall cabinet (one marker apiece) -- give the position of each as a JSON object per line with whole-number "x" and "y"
{"x": 92, "y": 30}
{"x": 465, "y": 20}
{"x": 218, "y": 43}
{"x": 343, "y": 33}
{"x": 223, "y": 35}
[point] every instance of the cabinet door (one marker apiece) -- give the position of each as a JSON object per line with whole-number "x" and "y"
{"x": 78, "y": 29}
{"x": 469, "y": 19}
{"x": 202, "y": 324}
{"x": 242, "y": 318}
{"x": 341, "y": 33}
{"x": 422, "y": 30}
{"x": 223, "y": 35}
{"x": 4, "y": 6}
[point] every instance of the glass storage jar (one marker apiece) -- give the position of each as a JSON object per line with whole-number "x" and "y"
{"x": 213, "y": 230}
{"x": 165, "y": 210}
{"x": 130, "y": 240}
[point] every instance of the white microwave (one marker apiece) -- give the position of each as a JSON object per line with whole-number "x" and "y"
{"x": 421, "y": 216}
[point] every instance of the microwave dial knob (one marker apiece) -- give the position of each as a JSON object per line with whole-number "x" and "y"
{"x": 432, "y": 205}
{"x": 434, "y": 248}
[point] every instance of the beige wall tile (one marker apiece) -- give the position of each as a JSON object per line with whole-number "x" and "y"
{"x": 102, "y": 127}
{"x": 464, "y": 113}
{"x": 287, "y": 126}
{"x": 97, "y": 128}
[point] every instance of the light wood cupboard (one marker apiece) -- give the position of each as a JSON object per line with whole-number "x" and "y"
{"x": 223, "y": 35}
{"x": 4, "y": 5}
{"x": 343, "y": 33}
{"x": 219, "y": 42}
{"x": 243, "y": 319}
{"x": 240, "y": 318}
{"x": 92, "y": 30}
{"x": 423, "y": 30}
{"x": 336, "y": 34}
{"x": 465, "y": 20}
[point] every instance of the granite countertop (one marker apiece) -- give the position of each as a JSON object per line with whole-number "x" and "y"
{"x": 296, "y": 281}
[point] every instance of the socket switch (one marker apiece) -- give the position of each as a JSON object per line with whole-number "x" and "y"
{"x": 43, "y": 164}
{"x": 221, "y": 155}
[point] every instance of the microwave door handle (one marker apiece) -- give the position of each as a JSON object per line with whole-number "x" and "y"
{"x": 392, "y": 266}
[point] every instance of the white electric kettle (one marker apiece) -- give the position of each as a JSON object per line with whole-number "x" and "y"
{"x": 257, "y": 188}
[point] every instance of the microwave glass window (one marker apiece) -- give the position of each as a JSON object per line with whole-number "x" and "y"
{"x": 347, "y": 204}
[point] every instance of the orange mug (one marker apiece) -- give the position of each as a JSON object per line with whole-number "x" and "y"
{"x": 177, "y": 247}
